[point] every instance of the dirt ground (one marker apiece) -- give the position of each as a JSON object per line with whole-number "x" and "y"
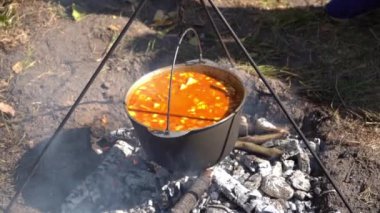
{"x": 60, "y": 55}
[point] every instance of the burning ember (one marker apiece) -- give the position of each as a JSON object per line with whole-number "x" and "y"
{"x": 126, "y": 181}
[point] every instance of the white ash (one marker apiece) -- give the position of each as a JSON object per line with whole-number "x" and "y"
{"x": 277, "y": 169}
{"x": 277, "y": 187}
{"x": 125, "y": 182}
{"x": 254, "y": 163}
{"x": 300, "y": 181}
{"x": 287, "y": 173}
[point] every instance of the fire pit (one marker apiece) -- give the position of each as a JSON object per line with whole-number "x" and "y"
{"x": 127, "y": 181}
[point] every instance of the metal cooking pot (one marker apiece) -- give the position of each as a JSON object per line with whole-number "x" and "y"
{"x": 194, "y": 149}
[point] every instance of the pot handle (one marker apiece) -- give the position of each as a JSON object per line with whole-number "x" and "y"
{"x": 172, "y": 69}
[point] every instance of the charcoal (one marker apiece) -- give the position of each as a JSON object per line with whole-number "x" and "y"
{"x": 276, "y": 187}
{"x": 254, "y": 163}
{"x": 232, "y": 189}
{"x": 292, "y": 148}
{"x": 301, "y": 195}
{"x": 292, "y": 205}
{"x": 241, "y": 181}
{"x": 300, "y": 206}
{"x": 253, "y": 182}
{"x": 288, "y": 164}
{"x": 303, "y": 161}
{"x": 277, "y": 169}
{"x": 299, "y": 180}
{"x": 218, "y": 209}
{"x": 265, "y": 205}
{"x": 214, "y": 195}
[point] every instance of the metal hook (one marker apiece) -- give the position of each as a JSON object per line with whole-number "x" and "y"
{"x": 172, "y": 69}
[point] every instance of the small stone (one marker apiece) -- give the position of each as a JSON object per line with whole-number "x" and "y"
{"x": 303, "y": 162}
{"x": 236, "y": 164}
{"x": 300, "y": 206}
{"x": 300, "y": 181}
{"x": 301, "y": 195}
{"x": 279, "y": 204}
{"x": 264, "y": 205}
{"x": 151, "y": 209}
{"x": 196, "y": 210}
{"x": 244, "y": 177}
{"x": 276, "y": 187}
{"x": 317, "y": 190}
{"x": 287, "y": 173}
{"x": 291, "y": 149}
{"x": 308, "y": 206}
{"x": 288, "y": 164}
{"x": 104, "y": 85}
{"x": 221, "y": 209}
{"x": 292, "y": 205}
{"x": 238, "y": 172}
{"x": 277, "y": 169}
{"x": 255, "y": 193}
{"x": 254, "y": 163}
{"x": 214, "y": 195}
{"x": 271, "y": 209}
{"x": 253, "y": 182}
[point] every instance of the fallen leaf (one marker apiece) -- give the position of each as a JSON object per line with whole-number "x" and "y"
{"x": 159, "y": 16}
{"x": 114, "y": 28}
{"x": 18, "y": 67}
{"x": 104, "y": 120}
{"x": 161, "y": 19}
{"x": 3, "y": 83}
{"x": 77, "y": 13}
{"x": 7, "y": 109}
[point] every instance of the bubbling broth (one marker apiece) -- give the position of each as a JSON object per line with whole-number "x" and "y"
{"x": 197, "y": 100}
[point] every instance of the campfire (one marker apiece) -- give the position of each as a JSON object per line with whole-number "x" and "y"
{"x": 245, "y": 181}
{"x": 203, "y": 168}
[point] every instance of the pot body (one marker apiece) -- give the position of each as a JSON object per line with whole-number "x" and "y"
{"x": 195, "y": 149}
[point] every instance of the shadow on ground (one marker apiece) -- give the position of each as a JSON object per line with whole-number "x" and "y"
{"x": 65, "y": 165}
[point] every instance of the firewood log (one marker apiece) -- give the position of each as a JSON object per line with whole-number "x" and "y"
{"x": 257, "y": 149}
{"x": 189, "y": 200}
{"x": 260, "y": 139}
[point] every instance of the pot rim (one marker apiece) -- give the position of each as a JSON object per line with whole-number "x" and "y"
{"x": 204, "y": 62}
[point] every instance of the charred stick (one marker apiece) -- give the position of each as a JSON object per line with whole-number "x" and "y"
{"x": 257, "y": 149}
{"x": 190, "y": 198}
{"x": 260, "y": 139}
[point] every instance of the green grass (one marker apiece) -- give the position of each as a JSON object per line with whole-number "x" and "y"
{"x": 7, "y": 14}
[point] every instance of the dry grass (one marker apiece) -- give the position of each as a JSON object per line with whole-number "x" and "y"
{"x": 18, "y": 16}
{"x": 334, "y": 63}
